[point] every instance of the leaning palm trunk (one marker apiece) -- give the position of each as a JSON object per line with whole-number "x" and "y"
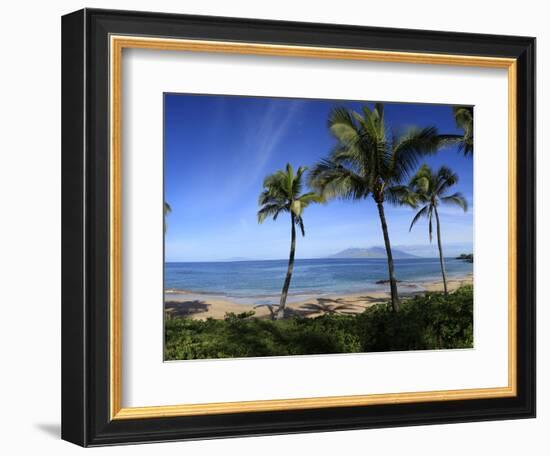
{"x": 393, "y": 282}
{"x": 286, "y": 286}
{"x": 441, "y": 261}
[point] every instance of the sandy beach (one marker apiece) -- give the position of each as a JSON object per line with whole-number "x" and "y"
{"x": 202, "y": 306}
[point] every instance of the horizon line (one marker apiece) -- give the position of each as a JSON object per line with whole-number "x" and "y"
{"x": 413, "y": 257}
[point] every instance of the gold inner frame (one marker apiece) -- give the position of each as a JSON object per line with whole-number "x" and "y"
{"x": 117, "y": 44}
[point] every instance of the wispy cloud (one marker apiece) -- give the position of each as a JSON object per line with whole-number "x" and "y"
{"x": 263, "y": 136}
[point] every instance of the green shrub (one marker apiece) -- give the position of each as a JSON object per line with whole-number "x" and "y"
{"x": 433, "y": 321}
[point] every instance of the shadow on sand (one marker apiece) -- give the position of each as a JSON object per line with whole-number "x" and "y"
{"x": 335, "y": 306}
{"x": 184, "y": 308}
{"x": 326, "y": 306}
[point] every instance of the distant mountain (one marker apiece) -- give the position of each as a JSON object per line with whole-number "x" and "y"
{"x": 371, "y": 252}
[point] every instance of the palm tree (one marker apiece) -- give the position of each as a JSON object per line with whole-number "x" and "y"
{"x": 430, "y": 190}
{"x": 167, "y": 210}
{"x": 464, "y": 119}
{"x": 283, "y": 193}
{"x": 367, "y": 161}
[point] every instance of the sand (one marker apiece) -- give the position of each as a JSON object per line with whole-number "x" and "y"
{"x": 202, "y": 306}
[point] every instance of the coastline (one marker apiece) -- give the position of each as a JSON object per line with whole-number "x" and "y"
{"x": 200, "y": 306}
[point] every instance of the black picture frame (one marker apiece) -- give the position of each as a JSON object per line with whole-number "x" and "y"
{"x": 85, "y": 224}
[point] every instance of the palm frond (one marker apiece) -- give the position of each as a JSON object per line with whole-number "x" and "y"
{"x": 370, "y": 123}
{"x": 421, "y": 213}
{"x": 289, "y": 181}
{"x": 464, "y": 119}
{"x": 272, "y": 195}
{"x": 422, "y": 182}
{"x": 343, "y": 126}
{"x": 270, "y": 210}
{"x": 375, "y": 116}
{"x": 448, "y": 139}
{"x": 444, "y": 181}
{"x": 297, "y": 183}
{"x": 333, "y": 180}
{"x": 300, "y": 223}
{"x": 311, "y": 197}
{"x": 456, "y": 199}
{"x": 401, "y": 195}
{"x": 408, "y": 149}
{"x": 358, "y": 157}
{"x": 379, "y": 109}
{"x": 275, "y": 187}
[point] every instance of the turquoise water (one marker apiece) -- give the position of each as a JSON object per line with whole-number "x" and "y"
{"x": 258, "y": 281}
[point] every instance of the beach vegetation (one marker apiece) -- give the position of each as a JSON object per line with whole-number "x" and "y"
{"x": 424, "y": 322}
{"x": 468, "y": 257}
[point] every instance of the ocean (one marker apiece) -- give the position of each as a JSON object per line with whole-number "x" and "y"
{"x": 260, "y": 282}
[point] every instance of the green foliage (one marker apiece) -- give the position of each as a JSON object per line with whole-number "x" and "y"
{"x": 167, "y": 210}
{"x": 433, "y": 321}
{"x": 429, "y": 189}
{"x": 367, "y": 160}
{"x": 468, "y": 257}
{"x": 283, "y": 193}
{"x": 464, "y": 119}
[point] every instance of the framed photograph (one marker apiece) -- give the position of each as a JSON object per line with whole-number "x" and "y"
{"x": 277, "y": 227}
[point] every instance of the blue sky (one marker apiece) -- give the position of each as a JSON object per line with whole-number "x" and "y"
{"x": 218, "y": 150}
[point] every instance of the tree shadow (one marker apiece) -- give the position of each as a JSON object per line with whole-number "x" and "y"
{"x": 183, "y": 309}
{"x": 329, "y": 306}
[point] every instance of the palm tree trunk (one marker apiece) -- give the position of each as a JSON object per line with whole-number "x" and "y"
{"x": 441, "y": 261}
{"x": 393, "y": 282}
{"x": 286, "y": 286}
